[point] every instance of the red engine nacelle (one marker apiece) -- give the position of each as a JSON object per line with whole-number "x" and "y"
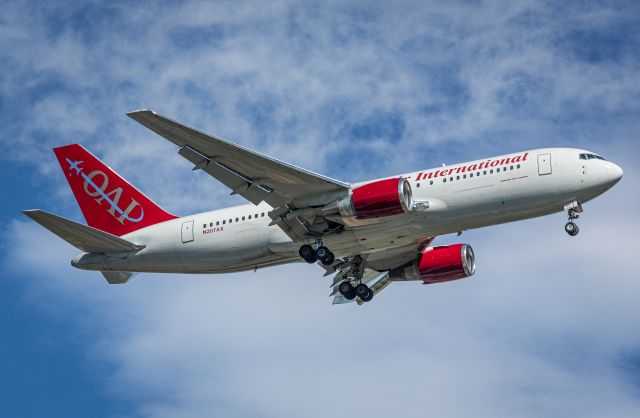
{"x": 439, "y": 264}
{"x": 378, "y": 199}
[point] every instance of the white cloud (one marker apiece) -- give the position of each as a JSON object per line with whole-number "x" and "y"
{"x": 539, "y": 330}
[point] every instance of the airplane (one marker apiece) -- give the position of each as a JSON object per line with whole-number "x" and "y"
{"x": 366, "y": 235}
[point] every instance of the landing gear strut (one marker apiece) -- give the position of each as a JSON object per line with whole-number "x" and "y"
{"x": 323, "y": 254}
{"x": 571, "y": 227}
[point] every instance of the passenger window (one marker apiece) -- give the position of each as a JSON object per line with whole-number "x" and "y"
{"x": 490, "y": 171}
{"x": 204, "y": 226}
{"x": 484, "y": 173}
{"x": 417, "y": 184}
{"x": 511, "y": 168}
{"x": 518, "y": 166}
{"x": 256, "y": 216}
{"x": 431, "y": 183}
{"x": 263, "y": 214}
{"x": 237, "y": 219}
{"x": 457, "y": 177}
{"x": 217, "y": 223}
{"x": 464, "y": 176}
{"x": 243, "y": 218}
{"x": 444, "y": 180}
{"x": 230, "y": 220}
{"x": 249, "y": 216}
{"x": 224, "y": 222}
{"x": 450, "y": 178}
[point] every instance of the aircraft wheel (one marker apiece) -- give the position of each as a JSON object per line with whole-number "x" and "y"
{"x": 327, "y": 259}
{"x": 362, "y": 290}
{"x": 308, "y": 254}
{"x": 322, "y": 252}
{"x": 347, "y": 290}
{"x": 571, "y": 228}
{"x": 368, "y": 297}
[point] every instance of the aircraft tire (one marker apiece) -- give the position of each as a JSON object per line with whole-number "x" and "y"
{"x": 572, "y": 229}
{"x": 368, "y": 297}
{"x": 328, "y": 258}
{"x": 307, "y": 253}
{"x": 322, "y": 252}
{"x": 347, "y": 290}
{"x": 362, "y": 290}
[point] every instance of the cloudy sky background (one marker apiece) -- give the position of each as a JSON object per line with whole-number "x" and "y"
{"x": 548, "y": 327}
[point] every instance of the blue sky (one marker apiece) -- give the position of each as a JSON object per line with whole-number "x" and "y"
{"x": 548, "y": 326}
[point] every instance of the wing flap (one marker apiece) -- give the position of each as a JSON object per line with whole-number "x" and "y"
{"x": 83, "y": 237}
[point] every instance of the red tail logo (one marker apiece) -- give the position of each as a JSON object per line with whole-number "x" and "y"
{"x": 108, "y": 202}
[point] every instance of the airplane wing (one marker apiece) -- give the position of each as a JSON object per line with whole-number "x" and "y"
{"x": 250, "y": 174}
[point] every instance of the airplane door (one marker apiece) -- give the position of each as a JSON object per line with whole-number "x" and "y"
{"x": 544, "y": 164}
{"x": 187, "y": 232}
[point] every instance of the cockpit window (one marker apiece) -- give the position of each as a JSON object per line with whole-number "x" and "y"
{"x": 587, "y": 156}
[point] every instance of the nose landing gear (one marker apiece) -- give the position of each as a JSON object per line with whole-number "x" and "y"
{"x": 571, "y": 227}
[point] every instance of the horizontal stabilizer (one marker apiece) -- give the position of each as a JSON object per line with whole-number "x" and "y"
{"x": 81, "y": 236}
{"x": 117, "y": 277}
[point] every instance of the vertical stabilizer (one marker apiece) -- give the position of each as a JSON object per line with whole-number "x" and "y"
{"x": 108, "y": 202}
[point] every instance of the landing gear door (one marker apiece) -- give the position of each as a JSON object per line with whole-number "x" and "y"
{"x": 187, "y": 232}
{"x": 544, "y": 164}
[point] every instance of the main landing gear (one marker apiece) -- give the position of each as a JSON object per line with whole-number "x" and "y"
{"x": 361, "y": 290}
{"x": 323, "y": 254}
{"x": 571, "y": 227}
{"x": 350, "y": 291}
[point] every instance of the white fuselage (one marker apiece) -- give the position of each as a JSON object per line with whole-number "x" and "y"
{"x": 460, "y": 197}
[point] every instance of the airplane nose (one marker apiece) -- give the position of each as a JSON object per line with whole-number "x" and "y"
{"x": 614, "y": 172}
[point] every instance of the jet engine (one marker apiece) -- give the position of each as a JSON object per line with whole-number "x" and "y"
{"x": 374, "y": 200}
{"x": 438, "y": 264}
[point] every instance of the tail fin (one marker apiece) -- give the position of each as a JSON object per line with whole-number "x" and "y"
{"x": 107, "y": 201}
